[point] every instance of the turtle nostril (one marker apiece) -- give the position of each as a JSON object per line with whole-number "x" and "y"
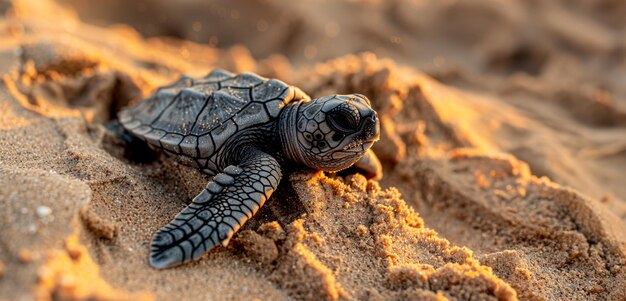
{"x": 374, "y": 116}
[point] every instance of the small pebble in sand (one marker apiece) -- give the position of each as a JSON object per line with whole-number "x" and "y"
{"x": 25, "y": 256}
{"x": 43, "y": 211}
{"x": 1, "y": 269}
{"x": 98, "y": 226}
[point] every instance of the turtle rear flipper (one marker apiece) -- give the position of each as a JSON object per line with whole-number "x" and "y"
{"x": 217, "y": 212}
{"x": 134, "y": 148}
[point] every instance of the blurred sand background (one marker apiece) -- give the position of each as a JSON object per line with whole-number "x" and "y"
{"x": 504, "y": 149}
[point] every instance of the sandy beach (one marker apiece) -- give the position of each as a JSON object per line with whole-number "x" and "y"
{"x": 503, "y": 144}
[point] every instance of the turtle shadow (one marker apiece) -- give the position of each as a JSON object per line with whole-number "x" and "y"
{"x": 284, "y": 206}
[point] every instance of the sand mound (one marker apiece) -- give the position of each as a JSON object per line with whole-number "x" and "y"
{"x": 479, "y": 197}
{"x": 77, "y": 217}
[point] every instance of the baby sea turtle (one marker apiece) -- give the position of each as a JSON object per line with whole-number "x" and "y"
{"x": 245, "y": 130}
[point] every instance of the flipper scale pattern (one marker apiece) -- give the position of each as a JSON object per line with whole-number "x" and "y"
{"x": 217, "y": 212}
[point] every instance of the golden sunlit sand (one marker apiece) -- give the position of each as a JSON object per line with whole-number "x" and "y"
{"x": 503, "y": 146}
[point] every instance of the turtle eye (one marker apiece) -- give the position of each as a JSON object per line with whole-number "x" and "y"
{"x": 342, "y": 121}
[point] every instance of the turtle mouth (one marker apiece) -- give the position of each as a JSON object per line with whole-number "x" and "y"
{"x": 360, "y": 145}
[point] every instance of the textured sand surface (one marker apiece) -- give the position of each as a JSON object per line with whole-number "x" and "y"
{"x": 504, "y": 179}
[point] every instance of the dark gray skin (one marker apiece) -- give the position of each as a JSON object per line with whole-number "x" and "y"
{"x": 246, "y": 131}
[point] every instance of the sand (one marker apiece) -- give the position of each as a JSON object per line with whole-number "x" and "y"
{"x": 503, "y": 145}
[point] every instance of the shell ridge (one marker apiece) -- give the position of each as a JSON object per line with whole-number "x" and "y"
{"x": 165, "y": 109}
{"x": 206, "y": 103}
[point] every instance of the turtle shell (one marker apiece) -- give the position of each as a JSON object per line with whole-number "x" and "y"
{"x": 195, "y": 117}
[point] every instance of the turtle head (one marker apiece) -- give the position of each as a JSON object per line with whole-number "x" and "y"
{"x": 331, "y": 133}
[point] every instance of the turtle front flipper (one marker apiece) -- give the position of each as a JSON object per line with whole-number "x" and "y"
{"x": 217, "y": 212}
{"x": 370, "y": 166}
